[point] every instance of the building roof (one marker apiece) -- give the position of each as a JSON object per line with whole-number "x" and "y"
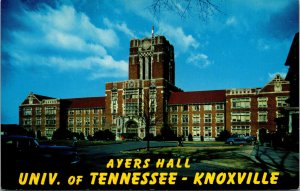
{"x": 41, "y": 97}
{"x": 197, "y": 97}
{"x": 87, "y": 102}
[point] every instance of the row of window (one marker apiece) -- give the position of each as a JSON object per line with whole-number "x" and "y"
{"x": 86, "y": 112}
{"x": 38, "y": 111}
{"x": 85, "y": 131}
{"x": 49, "y": 121}
{"x": 87, "y": 121}
{"x": 208, "y": 130}
{"x": 219, "y": 118}
{"x": 196, "y": 118}
{"x": 262, "y": 102}
{"x": 236, "y": 103}
{"x": 206, "y": 107}
{"x": 196, "y": 131}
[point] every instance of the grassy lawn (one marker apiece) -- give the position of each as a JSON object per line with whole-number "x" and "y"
{"x": 79, "y": 142}
{"x": 203, "y": 142}
{"x": 214, "y": 155}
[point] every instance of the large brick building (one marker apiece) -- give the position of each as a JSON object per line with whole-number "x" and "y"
{"x": 149, "y": 98}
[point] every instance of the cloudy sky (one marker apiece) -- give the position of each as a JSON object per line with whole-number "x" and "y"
{"x": 71, "y": 48}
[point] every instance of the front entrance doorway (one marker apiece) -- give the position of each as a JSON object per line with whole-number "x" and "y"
{"x": 131, "y": 129}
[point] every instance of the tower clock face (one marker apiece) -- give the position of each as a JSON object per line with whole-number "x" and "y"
{"x": 146, "y": 45}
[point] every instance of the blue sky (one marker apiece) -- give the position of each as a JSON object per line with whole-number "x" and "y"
{"x": 69, "y": 49}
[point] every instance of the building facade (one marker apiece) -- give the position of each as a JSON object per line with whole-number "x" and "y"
{"x": 149, "y": 99}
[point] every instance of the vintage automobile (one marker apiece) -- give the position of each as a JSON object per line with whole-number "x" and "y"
{"x": 26, "y": 152}
{"x": 236, "y": 141}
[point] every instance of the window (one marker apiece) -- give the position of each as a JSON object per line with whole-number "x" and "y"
{"x": 220, "y": 117}
{"x": 185, "y": 131}
{"x": 262, "y": 116}
{"x": 262, "y": 102}
{"x": 207, "y": 118}
{"x": 240, "y": 103}
{"x": 207, "y": 131}
{"x": 49, "y": 131}
{"x": 50, "y": 110}
{"x": 240, "y": 117}
{"x": 174, "y": 129}
{"x": 207, "y": 107}
{"x": 95, "y": 130}
{"x": 95, "y": 121}
{"x": 241, "y": 130}
{"x": 196, "y": 107}
{"x": 78, "y": 121}
{"x": 50, "y": 120}
{"x": 129, "y": 94}
{"x": 279, "y": 114}
{"x": 38, "y": 111}
{"x": 196, "y": 118}
{"x": 219, "y": 129}
{"x": 220, "y": 106}
{"x": 280, "y": 101}
{"x": 114, "y": 119}
{"x": 87, "y": 132}
{"x": 174, "y": 119}
{"x": 71, "y": 112}
{"x": 114, "y": 105}
{"x": 87, "y": 112}
{"x": 78, "y": 112}
{"x": 87, "y": 121}
{"x": 103, "y": 120}
{"x": 96, "y": 111}
{"x": 174, "y": 108}
{"x": 27, "y": 111}
{"x": 27, "y": 121}
{"x": 131, "y": 108}
{"x": 196, "y": 131}
{"x": 152, "y": 105}
{"x": 185, "y": 118}
{"x": 71, "y": 121}
{"x": 78, "y": 130}
{"x": 30, "y": 100}
{"x": 185, "y": 107}
{"x": 38, "y": 121}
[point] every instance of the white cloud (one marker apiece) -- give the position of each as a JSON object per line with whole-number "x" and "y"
{"x": 199, "y": 60}
{"x": 119, "y": 26}
{"x": 262, "y": 45}
{"x": 231, "y": 21}
{"x": 65, "y": 39}
{"x": 181, "y": 40}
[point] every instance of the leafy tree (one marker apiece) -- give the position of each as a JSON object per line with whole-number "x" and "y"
{"x": 224, "y": 135}
{"x": 62, "y": 134}
{"x": 167, "y": 133}
{"x": 105, "y": 135}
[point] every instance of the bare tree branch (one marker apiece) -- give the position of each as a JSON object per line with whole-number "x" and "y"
{"x": 184, "y": 8}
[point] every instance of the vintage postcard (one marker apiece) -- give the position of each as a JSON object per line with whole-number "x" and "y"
{"x": 149, "y": 95}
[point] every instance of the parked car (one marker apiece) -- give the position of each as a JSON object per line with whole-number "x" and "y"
{"x": 26, "y": 152}
{"x": 251, "y": 139}
{"x": 236, "y": 141}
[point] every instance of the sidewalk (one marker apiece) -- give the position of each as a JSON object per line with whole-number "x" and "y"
{"x": 277, "y": 159}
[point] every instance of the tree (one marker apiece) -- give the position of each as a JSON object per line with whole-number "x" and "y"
{"x": 202, "y": 8}
{"x": 62, "y": 134}
{"x": 223, "y": 136}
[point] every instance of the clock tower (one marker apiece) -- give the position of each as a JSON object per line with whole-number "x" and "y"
{"x": 152, "y": 58}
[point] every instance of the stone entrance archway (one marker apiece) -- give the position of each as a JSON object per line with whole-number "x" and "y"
{"x": 131, "y": 128}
